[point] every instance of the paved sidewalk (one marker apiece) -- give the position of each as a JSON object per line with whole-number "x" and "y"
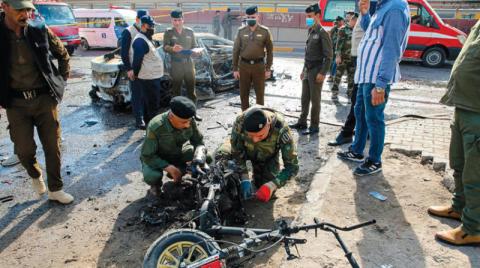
{"x": 427, "y": 137}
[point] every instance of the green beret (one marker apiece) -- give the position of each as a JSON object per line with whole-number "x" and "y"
{"x": 339, "y": 18}
{"x": 176, "y": 14}
{"x": 183, "y": 107}
{"x": 313, "y": 8}
{"x": 255, "y": 119}
{"x": 251, "y": 10}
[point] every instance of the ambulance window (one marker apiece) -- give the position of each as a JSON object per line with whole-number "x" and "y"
{"x": 419, "y": 15}
{"x": 102, "y": 22}
{"x": 337, "y": 8}
{"x": 119, "y": 22}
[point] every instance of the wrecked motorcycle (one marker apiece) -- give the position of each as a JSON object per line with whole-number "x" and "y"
{"x": 219, "y": 209}
{"x": 192, "y": 248}
{"x": 208, "y": 194}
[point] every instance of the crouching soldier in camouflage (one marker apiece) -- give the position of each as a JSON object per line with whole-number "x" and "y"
{"x": 170, "y": 142}
{"x": 259, "y": 135}
{"x": 343, "y": 57}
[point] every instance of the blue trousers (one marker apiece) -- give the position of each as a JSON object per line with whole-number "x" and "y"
{"x": 333, "y": 69}
{"x": 137, "y": 100}
{"x": 370, "y": 120}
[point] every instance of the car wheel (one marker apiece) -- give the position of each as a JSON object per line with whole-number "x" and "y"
{"x": 84, "y": 44}
{"x": 434, "y": 57}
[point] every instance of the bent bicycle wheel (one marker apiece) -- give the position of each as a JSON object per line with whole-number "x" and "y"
{"x": 168, "y": 249}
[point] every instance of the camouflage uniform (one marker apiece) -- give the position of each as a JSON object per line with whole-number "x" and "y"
{"x": 264, "y": 154}
{"x": 334, "y": 35}
{"x": 343, "y": 49}
{"x": 164, "y": 145}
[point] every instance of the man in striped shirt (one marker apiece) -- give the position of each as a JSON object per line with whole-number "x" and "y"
{"x": 379, "y": 52}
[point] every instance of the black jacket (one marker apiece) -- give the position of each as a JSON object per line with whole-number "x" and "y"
{"x": 44, "y": 44}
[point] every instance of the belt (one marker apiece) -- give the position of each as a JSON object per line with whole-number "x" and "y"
{"x": 252, "y": 61}
{"x": 29, "y": 94}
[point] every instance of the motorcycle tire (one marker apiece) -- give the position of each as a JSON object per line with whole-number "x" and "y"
{"x": 168, "y": 248}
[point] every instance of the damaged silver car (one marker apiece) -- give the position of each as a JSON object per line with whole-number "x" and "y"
{"x": 213, "y": 71}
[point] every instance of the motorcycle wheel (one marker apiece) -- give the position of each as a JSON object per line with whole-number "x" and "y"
{"x": 167, "y": 250}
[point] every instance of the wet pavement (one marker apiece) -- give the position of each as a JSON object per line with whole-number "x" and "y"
{"x": 101, "y": 167}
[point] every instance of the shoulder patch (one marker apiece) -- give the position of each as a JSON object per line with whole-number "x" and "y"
{"x": 286, "y": 137}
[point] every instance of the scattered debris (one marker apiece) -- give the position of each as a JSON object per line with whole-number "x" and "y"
{"x": 71, "y": 260}
{"x": 89, "y": 123}
{"x": 6, "y": 199}
{"x": 213, "y": 127}
{"x": 9, "y": 182}
{"x": 222, "y": 125}
{"x": 378, "y": 196}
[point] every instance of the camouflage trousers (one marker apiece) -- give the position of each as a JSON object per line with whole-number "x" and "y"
{"x": 347, "y": 66}
{"x": 263, "y": 170}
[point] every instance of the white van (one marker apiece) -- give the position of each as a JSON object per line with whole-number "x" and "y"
{"x": 102, "y": 27}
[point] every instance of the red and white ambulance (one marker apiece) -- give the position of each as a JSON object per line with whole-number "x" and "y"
{"x": 430, "y": 39}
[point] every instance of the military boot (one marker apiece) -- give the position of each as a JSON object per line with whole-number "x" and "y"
{"x": 38, "y": 185}
{"x": 61, "y": 197}
{"x": 458, "y": 237}
{"x": 444, "y": 212}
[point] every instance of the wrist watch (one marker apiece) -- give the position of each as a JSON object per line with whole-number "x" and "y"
{"x": 379, "y": 90}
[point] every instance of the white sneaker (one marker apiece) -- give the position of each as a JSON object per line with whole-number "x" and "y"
{"x": 38, "y": 185}
{"x": 11, "y": 161}
{"x": 60, "y": 196}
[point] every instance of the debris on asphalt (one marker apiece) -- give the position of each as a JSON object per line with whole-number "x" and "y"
{"x": 213, "y": 127}
{"x": 89, "y": 123}
{"x": 6, "y": 199}
{"x": 222, "y": 125}
{"x": 378, "y": 196}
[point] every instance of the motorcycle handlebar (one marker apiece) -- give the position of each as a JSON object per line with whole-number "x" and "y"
{"x": 324, "y": 225}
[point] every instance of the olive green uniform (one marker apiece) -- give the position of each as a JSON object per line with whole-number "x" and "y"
{"x": 343, "y": 50}
{"x": 248, "y": 58}
{"x": 164, "y": 145}
{"x": 318, "y": 58}
{"x": 40, "y": 112}
{"x": 264, "y": 154}
{"x": 463, "y": 93}
{"x": 183, "y": 67}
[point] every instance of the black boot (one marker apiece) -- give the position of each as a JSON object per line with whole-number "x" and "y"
{"x": 298, "y": 126}
{"x": 140, "y": 124}
{"x": 341, "y": 139}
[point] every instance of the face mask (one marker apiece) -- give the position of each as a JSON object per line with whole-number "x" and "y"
{"x": 149, "y": 33}
{"x": 251, "y": 22}
{"x": 310, "y": 22}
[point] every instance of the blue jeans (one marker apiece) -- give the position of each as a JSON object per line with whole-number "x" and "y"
{"x": 137, "y": 100}
{"x": 333, "y": 69}
{"x": 369, "y": 121}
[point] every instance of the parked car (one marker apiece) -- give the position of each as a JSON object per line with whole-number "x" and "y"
{"x": 213, "y": 70}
